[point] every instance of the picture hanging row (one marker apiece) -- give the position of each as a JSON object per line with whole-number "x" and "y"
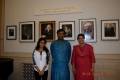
{"x": 109, "y": 30}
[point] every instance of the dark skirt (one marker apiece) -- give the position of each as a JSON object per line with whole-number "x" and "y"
{"x": 43, "y": 77}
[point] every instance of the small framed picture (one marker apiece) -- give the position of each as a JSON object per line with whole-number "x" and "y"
{"x": 88, "y": 28}
{"x": 69, "y": 28}
{"x": 109, "y": 29}
{"x": 27, "y": 31}
{"x": 11, "y": 32}
{"x": 47, "y": 30}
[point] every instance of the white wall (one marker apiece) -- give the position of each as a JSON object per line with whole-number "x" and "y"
{"x": 25, "y": 10}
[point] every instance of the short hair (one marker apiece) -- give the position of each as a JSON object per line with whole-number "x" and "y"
{"x": 81, "y": 35}
{"x": 60, "y": 30}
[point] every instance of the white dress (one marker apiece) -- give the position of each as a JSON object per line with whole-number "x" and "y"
{"x": 40, "y": 59}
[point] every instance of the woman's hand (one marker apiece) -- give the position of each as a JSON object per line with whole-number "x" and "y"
{"x": 41, "y": 72}
{"x": 73, "y": 69}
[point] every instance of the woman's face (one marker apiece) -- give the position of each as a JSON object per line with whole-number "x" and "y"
{"x": 42, "y": 44}
{"x": 80, "y": 40}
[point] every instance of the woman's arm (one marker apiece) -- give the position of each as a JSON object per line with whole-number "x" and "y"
{"x": 44, "y": 67}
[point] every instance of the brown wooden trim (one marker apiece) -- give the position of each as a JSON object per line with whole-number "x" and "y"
{"x": 100, "y": 56}
{"x": 2, "y": 14}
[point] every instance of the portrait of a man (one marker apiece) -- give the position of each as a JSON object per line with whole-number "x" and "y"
{"x": 11, "y": 32}
{"x": 68, "y": 30}
{"x": 88, "y": 29}
{"x": 26, "y": 31}
{"x": 110, "y": 29}
{"x": 47, "y": 30}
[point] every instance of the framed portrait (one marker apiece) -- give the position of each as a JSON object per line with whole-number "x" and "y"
{"x": 88, "y": 28}
{"x": 68, "y": 27}
{"x": 109, "y": 29}
{"x": 47, "y": 30}
{"x": 27, "y": 31}
{"x": 11, "y": 32}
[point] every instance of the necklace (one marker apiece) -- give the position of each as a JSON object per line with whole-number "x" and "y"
{"x": 82, "y": 50}
{"x": 41, "y": 55}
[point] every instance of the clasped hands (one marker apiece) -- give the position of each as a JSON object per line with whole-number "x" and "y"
{"x": 41, "y": 72}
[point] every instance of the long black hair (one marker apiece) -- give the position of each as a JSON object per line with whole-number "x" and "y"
{"x": 38, "y": 45}
{"x": 44, "y": 48}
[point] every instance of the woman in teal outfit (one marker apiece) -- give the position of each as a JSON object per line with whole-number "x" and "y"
{"x": 61, "y": 52}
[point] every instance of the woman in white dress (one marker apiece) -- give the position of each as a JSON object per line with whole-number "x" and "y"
{"x": 41, "y": 59}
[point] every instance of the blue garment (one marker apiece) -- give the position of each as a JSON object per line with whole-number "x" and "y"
{"x": 61, "y": 52}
